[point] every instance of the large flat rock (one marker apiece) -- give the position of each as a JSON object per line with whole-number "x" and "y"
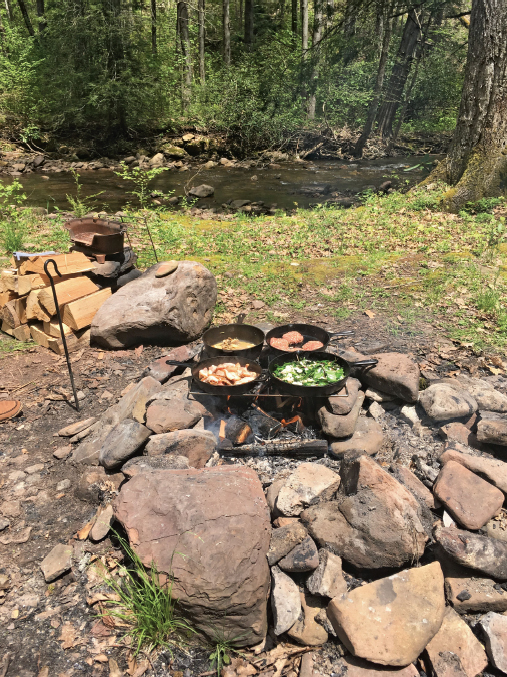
{"x": 196, "y": 445}
{"x": 395, "y": 374}
{"x": 442, "y": 402}
{"x": 491, "y": 469}
{"x": 391, "y": 620}
{"x": 171, "y": 309}
{"x": 211, "y": 529}
{"x": 474, "y": 551}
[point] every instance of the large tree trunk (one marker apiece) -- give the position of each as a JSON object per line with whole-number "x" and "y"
{"x": 377, "y": 91}
{"x": 226, "y": 25}
{"x": 476, "y": 164}
{"x": 182, "y": 31}
{"x": 317, "y": 37}
{"x": 153, "y": 26}
{"x": 249, "y": 24}
{"x": 202, "y": 36}
{"x": 294, "y": 19}
{"x": 26, "y": 17}
{"x": 401, "y": 69}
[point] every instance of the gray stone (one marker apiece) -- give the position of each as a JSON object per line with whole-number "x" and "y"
{"x": 327, "y": 579}
{"x": 272, "y": 496}
{"x": 285, "y": 601}
{"x": 284, "y": 539}
{"x": 133, "y": 403}
{"x": 62, "y": 452}
{"x": 343, "y": 425}
{"x": 368, "y": 438}
{"x": 474, "y": 551}
{"x": 340, "y": 405}
{"x": 378, "y": 395}
{"x": 488, "y": 398}
{"x": 444, "y": 403}
{"x": 309, "y": 483}
{"x": 197, "y": 445}
{"x": 102, "y": 524}
{"x": 75, "y": 428}
{"x": 64, "y": 484}
{"x": 304, "y": 557}
{"x": 123, "y": 441}
{"x": 4, "y": 523}
{"x": 494, "y": 627}
{"x": 57, "y": 562}
{"x": 157, "y": 160}
{"x": 414, "y": 485}
{"x": 351, "y": 666}
{"x": 161, "y": 371}
{"x": 201, "y": 191}
{"x": 150, "y": 463}
{"x": 306, "y": 630}
{"x": 395, "y": 374}
{"x": 492, "y": 431}
{"x": 87, "y": 452}
{"x": 175, "y": 309}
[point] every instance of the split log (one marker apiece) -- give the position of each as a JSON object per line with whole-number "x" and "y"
{"x": 237, "y": 430}
{"x": 22, "y": 333}
{"x": 34, "y": 310}
{"x": 8, "y": 279}
{"x": 6, "y": 329}
{"x": 5, "y": 297}
{"x": 74, "y": 341}
{"x": 10, "y": 316}
{"x": 53, "y": 328}
{"x": 263, "y": 424}
{"x": 31, "y": 281}
{"x": 80, "y": 313}
{"x": 66, "y": 292}
{"x": 68, "y": 264}
{"x": 20, "y": 306}
{"x": 281, "y": 448}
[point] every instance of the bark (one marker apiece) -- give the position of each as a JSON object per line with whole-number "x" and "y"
{"x": 249, "y": 24}
{"x": 394, "y": 92}
{"x": 26, "y": 17}
{"x": 304, "y": 27}
{"x": 8, "y": 9}
{"x": 377, "y": 92}
{"x": 184, "y": 43}
{"x": 294, "y": 18}
{"x": 154, "y": 26}
{"x": 40, "y": 15}
{"x": 317, "y": 37}
{"x": 226, "y": 25}
{"x": 476, "y": 164}
{"x": 329, "y": 12}
{"x": 202, "y": 36}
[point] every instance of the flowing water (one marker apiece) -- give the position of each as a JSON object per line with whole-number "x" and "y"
{"x": 287, "y": 186}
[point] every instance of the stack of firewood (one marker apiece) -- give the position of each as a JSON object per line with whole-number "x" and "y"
{"x": 27, "y": 306}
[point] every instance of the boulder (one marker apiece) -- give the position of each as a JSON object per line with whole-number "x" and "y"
{"x": 306, "y": 630}
{"x": 122, "y": 442}
{"x": 327, "y": 579}
{"x": 491, "y": 469}
{"x": 304, "y": 557}
{"x": 57, "y": 562}
{"x": 285, "y": 539}
{"x": 351, "y": 666}
{"x": 201, "y": 191}
{"x": 487, "y": 398}
{"x": 272, "y": 495}
{"x": 395, "y": 374}
{"x": 337, "y": 404}
{"x": 455, "y": 651}
{"x": 414, "y": 485}
{"x": 470, "y": 500}
{"x": 173, "y": 410}
{"x": 340, "y": 425}
{"x": 157, "y": 160}
{"x": 458, "y": 433}
{"x": 88, "y": 451}
{"x": 493, "y": 431}
{"x": 391, "y": 620}
{"x": 197, "y": 445}
{"x": 474, "y": 551}
{"x": 172, "y": 309}
{"x": 374, "y": 522}
{"x": 211, "y": 529}
{"x": 285, "y": 601}
{"x": 442, "y": 402}
{"x": 368, "y": 438}
{"x": 309, "y": 483}
{"x": 494, "y": 627}
{"x": 173, "y": 152}
{"x": 132, "y": 404}
{"x": 150, "y": 463}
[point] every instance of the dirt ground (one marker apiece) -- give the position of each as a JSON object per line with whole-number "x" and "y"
{"x": 52, "y": 627}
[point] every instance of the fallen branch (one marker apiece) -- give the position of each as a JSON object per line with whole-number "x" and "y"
{"x": 280, "y": 448}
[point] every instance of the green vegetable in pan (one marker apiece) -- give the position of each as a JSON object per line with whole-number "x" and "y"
{"x": 306, "y": 372}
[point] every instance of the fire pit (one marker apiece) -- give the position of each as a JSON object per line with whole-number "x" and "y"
{"x": 96, "y": 236}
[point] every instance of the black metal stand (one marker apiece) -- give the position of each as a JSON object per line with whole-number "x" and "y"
{"x": 64, "y": 341}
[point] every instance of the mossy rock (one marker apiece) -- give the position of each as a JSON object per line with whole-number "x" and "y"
{"x": 173, "y": 151}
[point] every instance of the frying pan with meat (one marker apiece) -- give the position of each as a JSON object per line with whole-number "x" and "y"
{"x": 317, "y": 356}
{"x": 215, "y": 361}
{"x": 309, "y": 332}
{"x": 243, "y": 332}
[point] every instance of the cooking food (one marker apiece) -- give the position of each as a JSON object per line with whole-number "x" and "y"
{"x": 227, "y": 374}
{"x": 233, "y": 344}
{"x": 313, "y": 345}
{"x": 307, "y": 372}
{"x": 293, "y": 337}
{"x": 281, "y": 344}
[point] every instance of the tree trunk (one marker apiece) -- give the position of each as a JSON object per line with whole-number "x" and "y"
{"x": 294, "y": 19}
{"x": 377, "y": 91}
{"x": 249, "y": 24}
{"x": 26, "y": 17}
{"x": 317, "y": 37}
{"x": 40, "y": 15}
{"x": 240, "y": 14}
{"x": 226, "y": 25}
{"x": 202, "y": 35}
{"x": 476, "y": 164}
{"x": 8, "y": 9}
{"x": 153, "y": 26}
{"x": 304, "y": 27}
{"x": 184, "y": 41}
{"x": 401, "y": 69}
{"x": 329, "y": 13}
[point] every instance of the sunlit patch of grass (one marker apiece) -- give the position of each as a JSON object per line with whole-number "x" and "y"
{"x": 9, "y": 345}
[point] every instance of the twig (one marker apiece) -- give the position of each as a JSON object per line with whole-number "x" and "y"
{"x": 23, "y": 386}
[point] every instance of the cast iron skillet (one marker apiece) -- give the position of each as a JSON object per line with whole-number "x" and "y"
{"x": 243, "y": 332}
{"x": 223, "y": 390}
{"x": 309, "y": 332}
{"x": 313, "y": 391}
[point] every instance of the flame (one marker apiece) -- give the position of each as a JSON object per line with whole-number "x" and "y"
{"x": 294, "y": 419}
{"x": 228, "y": 407}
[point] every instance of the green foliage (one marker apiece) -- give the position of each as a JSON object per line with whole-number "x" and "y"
{"x": 80, "y": 204}
{"x": 146, "y": 606}
{"x": 12, "y": 227}
{"x": 141, "y": 179}
{"x": 223, "y": 646}
{"x": 484, "y": 205}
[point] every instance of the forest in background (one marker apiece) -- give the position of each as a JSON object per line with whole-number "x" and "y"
{"x": 256, "y": 71}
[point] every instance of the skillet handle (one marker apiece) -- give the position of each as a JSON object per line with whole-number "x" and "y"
{"x": 337, "y": 334}
{"x": 175, "y": 363}
{"x": 364, "y": 363}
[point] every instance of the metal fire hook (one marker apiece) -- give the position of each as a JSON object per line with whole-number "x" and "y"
{"x": 64, "y": 341}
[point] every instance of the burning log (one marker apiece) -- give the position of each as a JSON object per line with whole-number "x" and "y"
{"x": 221, "y": 434}
{"x": 281, "y": 448}
{"x": 263, "y": 424}
{"x": 237, "y": 430}
{"x": 294, "y": 424}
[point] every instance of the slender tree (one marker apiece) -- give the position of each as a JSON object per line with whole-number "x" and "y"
{"x": 226, "y": 28}
{"x": 249, "y": 24}
{"x": 316, "y": 38}
{"x": 202, "y": 36}
{"x": 8, "y": 9}
{"x": 294, "y": 19}
{"x": 304, "y": 27}
{"x": 476, "y": 164}
{"x": 26, "y": 17}
{"x": 184, "y": 44}
{"x": 40, "y": 15}
{"x": 153, "y": 26}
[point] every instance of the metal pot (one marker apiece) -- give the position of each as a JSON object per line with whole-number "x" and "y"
{"x": 243, "y": 332}
{"x": 223, "y": 390}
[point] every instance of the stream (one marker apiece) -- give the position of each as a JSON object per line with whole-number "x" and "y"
{"x": 289, "y": 185}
